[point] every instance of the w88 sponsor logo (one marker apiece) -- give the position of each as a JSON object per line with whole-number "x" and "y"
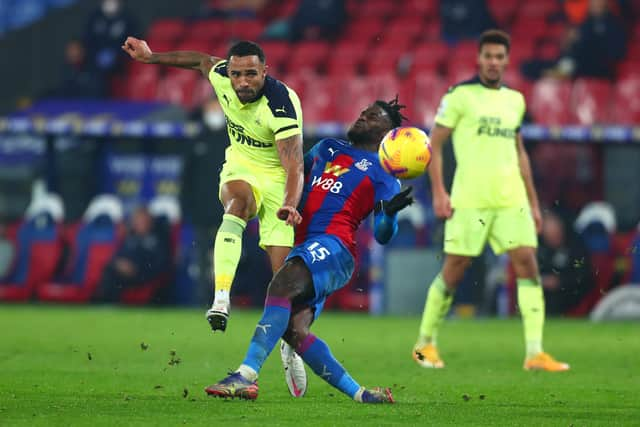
{"x": 327, "y": 184}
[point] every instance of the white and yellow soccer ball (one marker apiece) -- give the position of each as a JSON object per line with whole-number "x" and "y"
{"x": 405, "y": 152}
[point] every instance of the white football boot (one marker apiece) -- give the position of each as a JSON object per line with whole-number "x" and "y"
{"x": 294, "y": 371}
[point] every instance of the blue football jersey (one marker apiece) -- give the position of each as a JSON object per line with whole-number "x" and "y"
{"x": 342, "y": 185}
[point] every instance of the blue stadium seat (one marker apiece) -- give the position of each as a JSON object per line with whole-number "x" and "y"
{"x": 39, "y": 249}
{"x": 60, "y": 3}
{"x": 25, "y": 12}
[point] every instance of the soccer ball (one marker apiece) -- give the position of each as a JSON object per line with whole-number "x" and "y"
{"x": 405, "y": 152}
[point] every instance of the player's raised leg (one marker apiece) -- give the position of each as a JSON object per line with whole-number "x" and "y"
{"x": 531, "y": 304}
{"x": 239, "y": 206}
{"x": 439, "y": 300}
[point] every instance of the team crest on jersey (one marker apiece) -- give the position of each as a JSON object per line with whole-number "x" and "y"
{"x": 363, "y": 165}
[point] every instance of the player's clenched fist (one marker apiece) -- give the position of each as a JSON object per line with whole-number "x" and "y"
{"x": 290, "y": 215}
{"x": 137, "y": 49}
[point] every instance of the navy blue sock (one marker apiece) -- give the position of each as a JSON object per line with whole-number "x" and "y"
{"x": 271, "y": 327}
{"x": 317, "y": 355}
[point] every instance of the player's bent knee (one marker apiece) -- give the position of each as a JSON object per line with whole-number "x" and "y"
{"x": 240, "y": 208}
{"x": 289, "y": 282}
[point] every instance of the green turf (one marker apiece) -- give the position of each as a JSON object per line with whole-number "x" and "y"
{"x": 86, "y": 366}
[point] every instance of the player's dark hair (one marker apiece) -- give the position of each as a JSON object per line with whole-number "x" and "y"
{"x": 496, "y": 37}
{"x": 246, "y": 48}
{"x": 392, "y": 108}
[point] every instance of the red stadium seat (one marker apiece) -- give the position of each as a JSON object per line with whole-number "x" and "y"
{"x": 422, "y": 8}
{"x": 533, "y": 28}
{"x": 177, "y": 88}
{"x": 308, "y": 56}
{"x": 429, "y": 90}
{"x": 318, "y": 103}
{"x": 549, "y": 103}
{"x": 346, "y": 56}
{"x": 625, "y": 107}
{"x": 382, "y": 62}
{"x": 590, "y": 100}
{"x": 460, "y": 69}
{"x": 364, "y": 30}
{"x": 356, "y": 93}
{"x": 38, "y": 251}
{"x": 142, "y": 86}
{"x": 166, "y": 30}
{"x": 276, "y": 53}
{"x": 430, "y": 55}
{"x": 207, "y": 30}
{"x": 503, "y": 11}
{"x": 538, "y": 9}
{"x": 377, "y": 9}
{"x": 245, "y": 29}
{"x": 628, "y": 68}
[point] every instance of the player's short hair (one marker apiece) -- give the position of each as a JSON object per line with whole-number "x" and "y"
{"x": 246, "y": 48}
{"x": 392, "y": 108}
{"x": 496, "y": 37}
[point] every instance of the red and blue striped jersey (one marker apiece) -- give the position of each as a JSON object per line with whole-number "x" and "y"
{"x": 342, "y": 186}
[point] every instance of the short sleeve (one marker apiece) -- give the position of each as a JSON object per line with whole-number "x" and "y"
{"x": 218, "y": 73}
{"x": 450, "y": 109}
{"x": 286, "y": 113}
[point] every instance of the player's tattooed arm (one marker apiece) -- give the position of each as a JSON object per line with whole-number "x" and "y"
{"x": 527, "y": 176}
{"x": 290, "y": 152}
{"x": 140, "y": 51}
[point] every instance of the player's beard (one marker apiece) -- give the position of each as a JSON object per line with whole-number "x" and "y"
{"x": 357, "y": 137}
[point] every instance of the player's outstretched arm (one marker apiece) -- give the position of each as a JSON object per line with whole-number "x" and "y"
{"x": 290, "y": 152}
{"x": 441, "y": 201}
{"x": 527, "y": 176}
{"x": 198, "y": 61}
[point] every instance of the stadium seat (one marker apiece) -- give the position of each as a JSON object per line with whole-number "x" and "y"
{"x": 429, "y": 90}
{"x": 307, "y": 57}
{"x": 206, "y": 30}
{"x": 168, "y": 30}
{"x": 276, "y": 54}
{"x": 538, "y": 9}
{"x": 364, "y": 30}
{"x": 318, "y": 103}
{"x": 167, "y": 217}
{"x": 549, "y": 102}
{"x": 346, "y": 57}
{"x": 532, "y": 28}
{"x": 625, "y": 108}
{"x": 460, "y": 69}
{"x": 377, "y": 9}
{"x": 421, "y": 8}
{"x": 245, "y": 29}
{"x": 177, "y": 88}
{"x": 382, "y": 62}
{"x": 430, "y": 55}
{"x": 503, "y": 11}
{"x": 92, "y": 243}
{"x": 25, "y": 12}
{"x": 356, "y": 93}
{"x": 38, "y": 252}
{"x": 590, "y": 100}
{"x": 142, "y": 86}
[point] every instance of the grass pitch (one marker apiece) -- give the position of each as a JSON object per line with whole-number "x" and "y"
{"x": 122, "y": 367}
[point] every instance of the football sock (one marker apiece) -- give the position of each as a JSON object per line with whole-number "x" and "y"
{"x": 531, "y": 303}
{"x": 273, "y": 324}
{"x": 226, "y": 255}
{"x": 436, "y": 308}
{"x": 248, "y": 372}
{"x": 317, "y": 355}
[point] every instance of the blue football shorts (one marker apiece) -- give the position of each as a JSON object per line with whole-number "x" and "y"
{"x": 330, "y": 263}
